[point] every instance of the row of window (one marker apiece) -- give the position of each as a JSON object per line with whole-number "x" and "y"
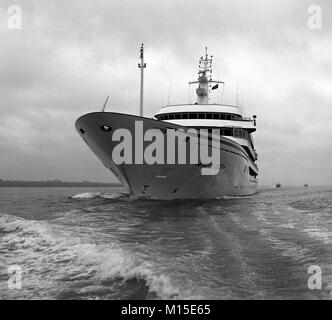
{"x": 199, "y": 115}
{"x": 233, "y": 132}
{"x": 241, "y": 133}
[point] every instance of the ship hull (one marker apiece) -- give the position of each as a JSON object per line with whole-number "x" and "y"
{"x": 167, "y": 181}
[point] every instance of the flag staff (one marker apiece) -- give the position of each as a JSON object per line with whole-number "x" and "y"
{"x": 141, "y": 66}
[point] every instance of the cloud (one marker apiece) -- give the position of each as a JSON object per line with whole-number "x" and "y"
{"x": 70, "y": 55}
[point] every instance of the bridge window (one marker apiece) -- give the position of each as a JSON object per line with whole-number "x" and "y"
{"x": 228, "y": 132}
{"x": 199, "y": 115}
{"x": 241, "y": 133}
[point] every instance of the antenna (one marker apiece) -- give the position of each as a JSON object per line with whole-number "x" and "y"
{"x": 141, "y": 66}
{"x": 243, "y": 98}
{"x": 105, "y": 104}
{"x": 169, "y": 93}
{"x": 189, "y": 100}
{"x": 237, "y": 93}
{"x": 222, "y": 93}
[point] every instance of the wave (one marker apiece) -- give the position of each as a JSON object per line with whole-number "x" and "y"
{"x": 320, "y": 234}
{"x": 232, "y": 197}
{"x": 312, "y": 205}
{"x": 122, "y": 196}
{"x": 85, "y": 195}
{"x": 62, "y": 265}
{"x": 91, "y": 195}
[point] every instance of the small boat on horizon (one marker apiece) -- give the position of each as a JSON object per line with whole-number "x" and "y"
{"x": 306, "y": 185}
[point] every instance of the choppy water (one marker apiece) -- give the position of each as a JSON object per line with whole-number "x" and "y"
{"x": 98, "y": 244}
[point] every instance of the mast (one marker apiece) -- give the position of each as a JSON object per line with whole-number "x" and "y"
{"x": 202, "y": 92}
{"x": 203, "y": 88}
{"x": 141, "y": 66}
{"x": 105, "y": 104}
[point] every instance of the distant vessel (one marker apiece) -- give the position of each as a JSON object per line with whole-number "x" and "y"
{"x": 275, "y": 185}
{"x": 236, "y": 175}
{"x": 305, "y": 185}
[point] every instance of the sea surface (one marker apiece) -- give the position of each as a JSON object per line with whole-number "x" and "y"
{"x": 97, "y": 243}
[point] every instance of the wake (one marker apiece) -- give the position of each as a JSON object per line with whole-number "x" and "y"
{"x": 59, "y": 264}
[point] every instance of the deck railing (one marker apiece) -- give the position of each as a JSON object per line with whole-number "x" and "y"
{"x": 199, "y": 115}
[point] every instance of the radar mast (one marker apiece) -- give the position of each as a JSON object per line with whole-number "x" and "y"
{"x": 204, "y": 79}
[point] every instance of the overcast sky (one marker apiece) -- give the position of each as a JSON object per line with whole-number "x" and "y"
{"x": 70, "y": 55}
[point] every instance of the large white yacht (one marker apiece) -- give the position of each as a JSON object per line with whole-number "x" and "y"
{"x": 220, "y": 128}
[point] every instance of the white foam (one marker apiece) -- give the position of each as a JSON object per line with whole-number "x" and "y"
{"x": 321, "y": 234}
{"x": 90, "y": 195}
{"x": 85, "y": 195}
{"x": 231, "y": 197}
{"x": 42, "y": 247}
{"x": 113, "y": 195}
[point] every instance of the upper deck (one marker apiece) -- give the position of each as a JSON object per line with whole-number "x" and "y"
{"x": 203, "y": 113}
{"x": 223, "y": 108}
{"x": 206, "y": 115}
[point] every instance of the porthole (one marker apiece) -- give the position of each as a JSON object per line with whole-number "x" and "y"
{"x": 105, "y": 128}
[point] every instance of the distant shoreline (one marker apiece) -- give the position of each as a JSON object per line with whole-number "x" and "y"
{"x": 54, "y": 184}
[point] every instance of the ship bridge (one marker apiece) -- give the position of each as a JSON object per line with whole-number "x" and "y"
{"x": 202, "y": 114}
